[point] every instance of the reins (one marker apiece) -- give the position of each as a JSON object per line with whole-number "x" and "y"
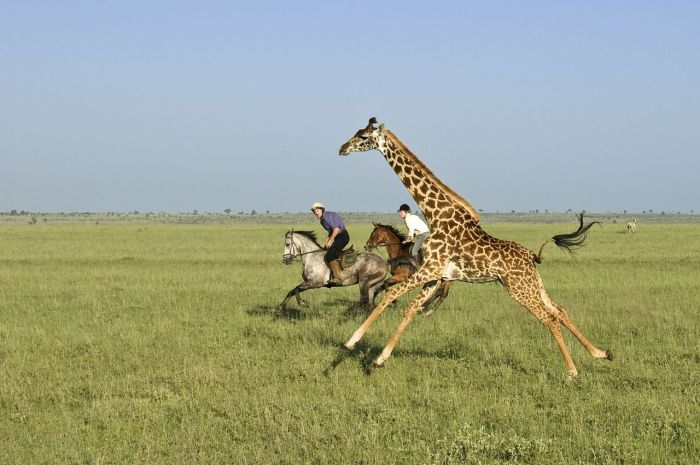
{"x": 384, "y": 244}
{"x": 388, "y": 243}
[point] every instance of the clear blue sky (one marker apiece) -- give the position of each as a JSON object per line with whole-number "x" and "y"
{"x": 175, "y": 106}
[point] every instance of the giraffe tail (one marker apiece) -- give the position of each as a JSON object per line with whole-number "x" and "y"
{"x": 568, "y": 241}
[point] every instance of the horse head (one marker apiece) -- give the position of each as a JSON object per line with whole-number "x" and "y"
{"x": 289, "y": 248}
{"x": 389, "y": 237}
{"x": 298, "y": 243}
{"x": 375, "y": 239}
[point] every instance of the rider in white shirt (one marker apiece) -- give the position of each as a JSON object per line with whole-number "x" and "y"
{"x": 417, "y": 232}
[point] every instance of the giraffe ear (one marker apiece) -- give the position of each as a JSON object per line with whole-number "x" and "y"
{"x": 381, "y": 127}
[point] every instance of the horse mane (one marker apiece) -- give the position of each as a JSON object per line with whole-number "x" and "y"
{"x": 393, "y": 230}
{"x": 435, "y": 180}
{"x": 311, "y": 235}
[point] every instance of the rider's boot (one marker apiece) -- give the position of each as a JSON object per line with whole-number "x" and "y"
{"x": 336, "y": 272}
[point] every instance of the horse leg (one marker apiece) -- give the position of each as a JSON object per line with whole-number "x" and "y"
{"x": 368, "y": 285}
{"x": 414, "y": 306}
{"x": 374, "y": 284}
{"x": 363, "y": 284}
{"x": 393, "y": 279}
{"x": 300, "y": 301}
{"x": 283, "y": 305}
{"x": 389, "y": 297}
{"x": 437, "y": 298}
{"x": 401, "y": 275}
{"x": 444, "y": 292}
{"x": 305, "y": 286}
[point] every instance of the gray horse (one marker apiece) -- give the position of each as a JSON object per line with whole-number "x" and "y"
{"x": 369, "y": 269}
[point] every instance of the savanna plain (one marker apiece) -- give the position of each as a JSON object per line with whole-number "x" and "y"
{"x": 160, "y": 344}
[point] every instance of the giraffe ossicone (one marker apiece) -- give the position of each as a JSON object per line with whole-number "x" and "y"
{"x": 459, "y": 249}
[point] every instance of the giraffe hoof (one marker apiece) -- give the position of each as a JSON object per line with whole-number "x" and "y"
{"x": 609, "y": 355}
{"x": 378, "y": 364}
{"x": 345, "y": 348}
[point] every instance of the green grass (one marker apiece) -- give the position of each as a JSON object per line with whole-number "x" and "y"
{"x": 158, "y": 344}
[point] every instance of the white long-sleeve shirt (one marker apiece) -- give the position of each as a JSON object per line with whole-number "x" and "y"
{"x": 415, "y": 225}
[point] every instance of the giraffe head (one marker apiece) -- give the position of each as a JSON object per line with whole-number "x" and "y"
{"x": 365, "y": 139}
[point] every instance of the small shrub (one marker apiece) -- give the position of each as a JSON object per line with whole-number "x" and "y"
{"x": 477, "y": 446}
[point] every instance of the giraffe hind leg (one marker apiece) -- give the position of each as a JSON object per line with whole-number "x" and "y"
{"x": 560, "y": 313}
{"x": 527, "y": 293}
{"x": 555, "y": 329}
{"x": 566, "y": 321}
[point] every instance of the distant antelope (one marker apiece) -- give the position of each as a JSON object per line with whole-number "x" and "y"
{"x": 632, "y": 225}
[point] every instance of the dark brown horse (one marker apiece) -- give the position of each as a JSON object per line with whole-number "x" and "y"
{"x": 401, "y": 265}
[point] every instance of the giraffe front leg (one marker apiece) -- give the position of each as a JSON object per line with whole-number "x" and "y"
{"x": 415, "y": 305}
{"x": 389, "y": 297}
{"x": 359, "y": 332}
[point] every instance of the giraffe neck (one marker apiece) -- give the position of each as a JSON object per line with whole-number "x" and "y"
{"x": 429, "y": 192}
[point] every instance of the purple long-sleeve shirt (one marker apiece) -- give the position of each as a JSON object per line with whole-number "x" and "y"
{"x": 331, "y": 220}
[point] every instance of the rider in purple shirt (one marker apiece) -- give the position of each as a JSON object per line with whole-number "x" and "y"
{"x": 331, "y": 220}
{"x": 337, "y": 239}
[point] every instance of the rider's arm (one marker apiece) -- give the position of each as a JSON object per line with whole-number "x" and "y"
{"x": 331, "y": 238}
{"x": 411, "y": 229}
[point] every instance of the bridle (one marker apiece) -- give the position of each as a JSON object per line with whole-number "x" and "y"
{"x": 294, "y": 250}
{"x": 382, "y": 244}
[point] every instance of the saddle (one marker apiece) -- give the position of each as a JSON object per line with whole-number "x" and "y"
{"x": 406, "y": 260}
{"x": 348, "y": 258}
{"x": 396, "y": 262}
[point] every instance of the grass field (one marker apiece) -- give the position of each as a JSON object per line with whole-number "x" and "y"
{"x": 158, "y": 344}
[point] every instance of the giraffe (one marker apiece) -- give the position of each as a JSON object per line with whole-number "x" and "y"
{"x": 459, "y": 249}
{"x": 632, "y": 225}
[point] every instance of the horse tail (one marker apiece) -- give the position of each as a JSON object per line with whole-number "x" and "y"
{"x": 568, "y": 241}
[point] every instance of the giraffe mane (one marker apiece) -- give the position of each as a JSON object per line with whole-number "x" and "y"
{"x": 441, "y": 185}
